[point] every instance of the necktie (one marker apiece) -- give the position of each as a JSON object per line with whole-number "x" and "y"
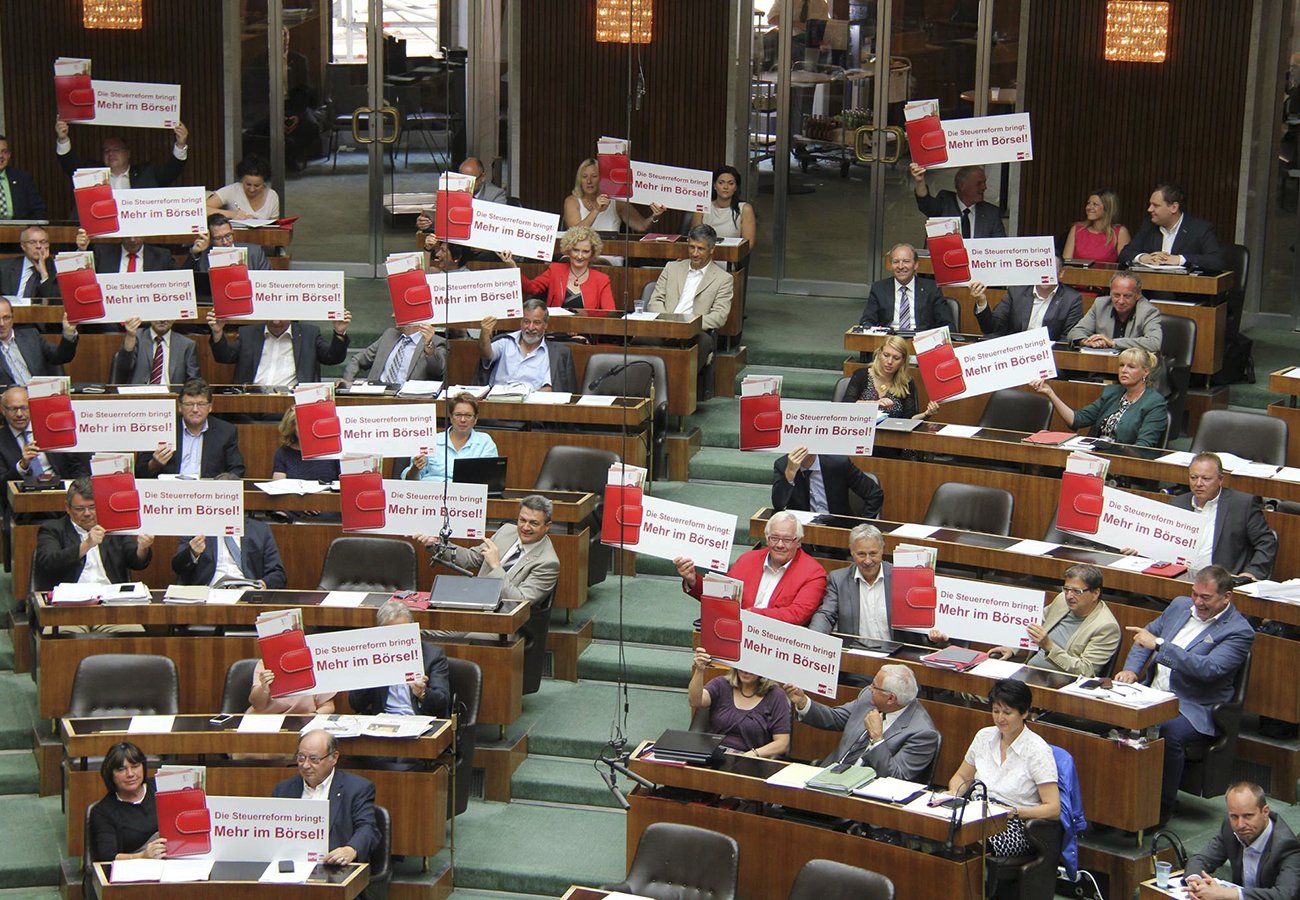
{"x": 34, "y": 466}
{"x": 965, "y": 222}
{"x": 156, "y": 371}
{"x": 513, "y": 556}
{"x": 17, "y": 365}
{"x": 904, "y": 309}
{"x": 4, "y": 202}
{"x": 29, "y": 289}
{"x": 130, "y": 262}
{"x": 854, "y": 753}
{"x": 232, "y": 547}
{"x": 395, "y": 371}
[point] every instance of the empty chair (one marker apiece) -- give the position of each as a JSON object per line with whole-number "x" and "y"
{"x": 1248, "y": 435}
{"x": 634, "y": 381}
{"x": 368, "y": 564}
{"x": 841, "y": 388}
{"x": 124, "y": 684}
{"x": 954, "y": 311}
{"x": 971, "y": 507}
{"x": 466, "y": 680}
{"x": 682, "y": 862}
{"x": 825, "y": 879}
{"x": 584, "y": 469}
{"x": 239, "y": 681}
{"x": 534, "y": 635}
{"x": 1016, "y": 410}
{"x": 1176, "y": 347}
{"x": 1236, "y": 259}
{"x": 1055, "y": 535}
{"x": 381, "y": 857}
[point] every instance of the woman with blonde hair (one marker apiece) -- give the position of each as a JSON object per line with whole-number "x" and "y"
{"x": 1128, "y": 412}
{"x": 1098, "y": 237}
{"x": 586, "y": 205}
{"x": 888, "y": 382}
{"x": 751, "y": 712}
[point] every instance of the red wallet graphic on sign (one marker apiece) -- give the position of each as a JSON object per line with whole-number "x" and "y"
{"x": 941, "y": 372}
{"x": 319, "y": 431}
{"x": 54, "y": 425}
{"x": 1081, "y": 502}
{"x": 410, "y": 294}
{"x": 926, "y": 141}
{"x": 949, "y": 257}
{"x": 760, "y": 422}
{"x": 615, "y": 175}
{"x": 288, "y": 656}
{"x": 232, "y": 292}
{"x": 117, "y": 501}
{"x": 720, "y": 626}
{"x": 913, "y": 597}
{"x": 453, "y": 216}
{"x": 184, "y": 821}
{"x": 362, "y": 498}
{"x": 76, "y": 97}
{"x": 82, "y": 297}
{"x": 621, "y": 521}
{"x": 96, "y": 209}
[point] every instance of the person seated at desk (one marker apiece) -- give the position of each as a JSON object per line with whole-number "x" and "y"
{"x": 426, "y": 694}
{"x": 215, "y": 560}
{"x": 221, "y": 234}
{"x": 884, "y": 728}
{"x": 905, "y": 302}
{"x": 1130, "y": 412}
{"x": 401, "y": 354}
{"x": 781, "y": 580}
{"x": 20, "y": 455}
{"x": 32, "y": 274}
{"x": 248, "y": 196}
{"x": 1124, "y": 319}
{"x": 445, "y": 258}
{"x": 288, "y": 461}
{"x": 695, "y": 287}
{"x": 728, "y": 215}
{"x": 1260, "y": 845}
{"x": 1098, "y": 238}
{"x": 24, "y": 354}
{"x": 1057, "y": 307}
{"x": 353, "y": 833}
{"x": 1079, "y": 633}
{"x": 751, "y": 712}
{"x": 1016, "y": 766}
{"x": 888, "y": 382}
{"x": 117, "y": 158}
{"x": 856, "y": 601}
{"x": 459, "y": 441}
{"x": 1197, "y": 645}
{"x": 159, "y": 356}
{"x": 279, "y": 353}
{"x": 1173, "y": 238}
{"x": 525, "y": 355}
{"x": 821, "y": 484}
{"x": 205, "y": 447}
{"x": 260, "y": 699}
{"x": 130, "y": 255}
{"x": 124, "y": 823}
{"x": 979, "y": 219}
{"x": 586, "y": 205}
{"x": 573, "y": 284}
{"x": 19, "y": 198}
{"x": 1236, "y": 535}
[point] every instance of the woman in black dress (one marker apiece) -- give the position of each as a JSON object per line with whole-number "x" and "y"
{"x": 124, "y": 824}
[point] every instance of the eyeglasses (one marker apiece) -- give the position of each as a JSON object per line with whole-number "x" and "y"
{"x": 82, "y": 510}
{"x": 17, "y": 409}
{"x": 224, "y": 238}
{"x": 1075, "y": 592}
{"x": 781, "y": 540}
{"x": 314, "y": 760}
{"x": 195, "y": 404}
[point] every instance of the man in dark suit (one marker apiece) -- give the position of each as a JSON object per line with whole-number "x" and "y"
{"x": 1197, "y": 645}
{"x": 138, "y": 361}
{"x": 130, "y": 255}
{"x": 867, "y": 582}
{"x": 19, "y": 198}
{"x": 1236, "y": 534}
{"x": 429, "y": 694}
{"x": 402, "y": 354}
{"x": 353, "y": 832}
{"x": 978, "y": 218}
{"x": 206, "y": 559}
{"x": 117, "y": 157}
{"x": 279, "y": 353}
{"x": 1173, "y": 238}
{"x": 205, "y": 447}
{"x": 525, "y": 355}
{"x": 821, "y": 484}
{"x": 220, "y": 234}
{"x": 905, "y": 302}
{"x": 22, "y": 458}
{"x": 77, "y": 549}
{"x": 1057, "y": 307}
{"x": 1260, "y": 845}
{"x": 32, "y": 274}
{"x": 884, "y": 728}
{"x": 24, "y": 354}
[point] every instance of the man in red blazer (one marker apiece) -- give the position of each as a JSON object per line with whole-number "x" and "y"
{"x": 781, "y": 581}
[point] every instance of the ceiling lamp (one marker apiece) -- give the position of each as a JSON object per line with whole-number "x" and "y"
{"x": 124, "y": 14}
{"x": 1137, "y": 31}
{"x": 624, "y": 21}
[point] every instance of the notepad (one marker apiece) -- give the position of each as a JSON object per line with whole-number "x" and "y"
{"x": 253, "y": 723}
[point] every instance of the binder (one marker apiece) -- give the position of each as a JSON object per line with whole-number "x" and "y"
{"x": 720, "y": 628}
{"x": 232, "y": 292}
{"x": 54, "y": 425}
{"x": 615, "y": 175}
{"x": 949, "y": 257}
{"x": 83, "y": 299}
{"x": 941, "y": 372}
{"x": 75, "y": 96}
{"x": 184, "y": 821}
{"x": 913, "y": 597}
{"x": 411, "y": 297}
{"x": 319, "y": 431}
{"x": 1081, "y": 503}
{"x": 620, "y": 524}
{"x": 453, "y": 216}
{"x": 117, "y": 501}
{"x": 927, "y": 142}
{"x": 288, "y": 656}
{"x": 760, "y": 422}
{"x": 96, "y": 209}
{"x": 362, "y": 498}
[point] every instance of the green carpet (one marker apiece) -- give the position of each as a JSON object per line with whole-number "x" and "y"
{"x": 555, "y": 779}
{"x": 575, "y": 719}
{"x": 655, "y": 611}
{"x": 33, "y": 830}
{"x": 17, "y": 711}
{"x": 656, "y": 666}
{"x": 18, "y": 772}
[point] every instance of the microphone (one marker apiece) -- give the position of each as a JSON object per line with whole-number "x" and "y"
{"x": 442, "y": 552}
{"x": 597, "y": 382}
{"x": 955, "y": 815}
{"x": 613, "y": 789}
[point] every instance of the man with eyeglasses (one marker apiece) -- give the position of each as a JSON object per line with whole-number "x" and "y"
{"x": 220, "y": 234}
{"x": 21, "y": 456}
{"x": 78, "y": 550}
{"x": 32, "y": 274}
{"x": 1196, "y": 647}
{"x": 24, "y": 354}
{"x": 781, "y": 580}
{"x": 353, "y": 832}
{"x": 19, "y": 198}
{"x": 1079, "y": 633}
{"x": 205, "y": 447}
{"x": 1235, "y": 534}
{"x": 122, "y": 175}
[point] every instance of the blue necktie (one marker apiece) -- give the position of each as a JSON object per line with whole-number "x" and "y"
{"x": 232, "y": 547}
{"x": 395, "y": 371}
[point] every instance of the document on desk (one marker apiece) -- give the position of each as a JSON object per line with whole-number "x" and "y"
{"x": 549, "y": 398}
{"x": 136, "y": 390}
{"x": 1281, "y": 591}
{"x": 417, "y": 388}
{"x": 910, "y": 530}
{"x": 1138, "y": 696}
{"x": 283, "y": 487}
{"x": 150, "y": 725}
{"x": 392, "y": 725}
{"x": 973, "y": 811}
{"x": 225, "y": 596}
{"x": 997, "y": 668}
{"x": 362, "y": 388}
{"x": 889, "y": 790}
{"x": 1288, "y": 473}
{"x": 596, "y": 400}
{"x": 641, "y": 316}
{"x": 180, "y": 871}
{"x": 256, "y": 723}
{"x": 129, "y": 871}
{"x": 794, "y": 775}
{"x": 1029, "y": 547}
{"x": 345, "y": 599}
{"x": 961, "y": 431}
{"x": 1131, "y": 563}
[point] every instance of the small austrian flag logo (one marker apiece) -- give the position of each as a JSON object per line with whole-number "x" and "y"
{"x": 231, "y": 531}
{"x": 1022, "y": 155}
{"x": 1045, "y": 279}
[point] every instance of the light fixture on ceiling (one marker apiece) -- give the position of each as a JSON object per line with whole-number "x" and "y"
{"x": 121, "y": 14}
{"x": 1137, "y": 31}
{"x": 624, "y": 21}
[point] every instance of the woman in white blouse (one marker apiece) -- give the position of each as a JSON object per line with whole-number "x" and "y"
{"x": 1016, "y": 765}
{"x": 249, "y": 196}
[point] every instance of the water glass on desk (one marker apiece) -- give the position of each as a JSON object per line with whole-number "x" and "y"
{"x": 638, "y": 305}
{"x": 1162, "y": 873}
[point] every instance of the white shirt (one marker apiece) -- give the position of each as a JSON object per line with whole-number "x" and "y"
{"x": 1252, "y": 855}
{"x": 276, "y": 367}
{"x": 320, "y": 791}
{"x": 1185, "y": 636}
{"x": 1029, "y": 763}
{"x": 232, "y": 196}
{"x": 93, "y": 571}
{"x": 1038, "y": 311}
{"x": 1169, "y": 235}
{"x": 767, "y": 584}
{"x": 686, "y": 303}
{"x": 124, "y": 259}
{"x": 817, "y": 501}
{"x": 225, "y": 566}
{"x": 873, "y": 614}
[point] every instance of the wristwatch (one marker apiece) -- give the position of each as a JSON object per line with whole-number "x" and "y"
{"x": 1160, "y": 642}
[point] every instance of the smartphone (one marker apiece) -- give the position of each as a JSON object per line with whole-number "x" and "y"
{"x": 286, "y": 865}
{"x": 221, "y": 720}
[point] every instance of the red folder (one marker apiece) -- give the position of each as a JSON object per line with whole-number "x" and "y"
{"x": 54, "y": 426}
{"x": 926, "y": 141}
{"x": 288, "y": 656}
{"x": 720, "y": 627}
{"x": 75, "y": 97}
{"x": 913, "y": 597}
{"x": 760, "y": 422}
{"x": 621, "y": 521}
{"x": 412, "y": 599}
{"x": 1168, "y": 570}
{"x": 232, "y": 292}
{"x": 184, "y": 821}
{"x": 412, "y": 299}
{"x": 82, "y": 297}
{"x": 362, "y": 498}
{"x": 453, "y": 216}
{"x": 96, "y": 209}
{"x": 615, "y": 175}
{"x": 1081, "y": 503}
{"x": 949, "y": 258}
{"x": 319, "y": 431}
{"x": 941, "y": 372}
{"x": 117, "y": 501}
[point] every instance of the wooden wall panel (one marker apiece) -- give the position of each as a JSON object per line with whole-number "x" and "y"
{"x": 1128, "y": 126}
{"x": 573, "y": 90}
{"x": 179, "y": 44}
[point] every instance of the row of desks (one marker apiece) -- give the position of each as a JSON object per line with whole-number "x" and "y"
{"x": 1280, "y": 382}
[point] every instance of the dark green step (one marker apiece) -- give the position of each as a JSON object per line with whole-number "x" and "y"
{"x": 554, "y": 779}
{"x": 655, "y": 666}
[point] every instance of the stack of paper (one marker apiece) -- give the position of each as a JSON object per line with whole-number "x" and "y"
{"x": 188, "y": 594}
{"x": 286, "y": 486}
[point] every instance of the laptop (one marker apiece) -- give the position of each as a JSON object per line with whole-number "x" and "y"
{"x": 697, "y": 748}
{"x": 489, "y": 470}
{"x": 465, "y": 592}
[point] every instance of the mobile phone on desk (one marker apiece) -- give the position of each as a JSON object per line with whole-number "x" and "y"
{"x": 221, "y": 720}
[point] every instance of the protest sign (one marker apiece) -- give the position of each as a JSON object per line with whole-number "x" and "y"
{"x": 416, "y": 507}
{"x": 365, "y": 658}
{"x": 469, "y": 296}
{"x": 949, "y": 143}
{"x": 262, "y": 829}
{"x": 988, "y": 613}
{"x": 1013, "y": 260}
{"x": 129, "y": 104}
{"x": 671, "y": 186}
{"x": 668, "y": 530}
{"x": 789, "y": 654}
{"x": 527, "y": 233}
{"x": 1005, "y": 362}
{"x": 149, "y": 296}
{"x": 395, "y": 430}
{"x": 186, "y": 507}
{"x": 1154, "y": 529}
{"x": 296, "y": 295}
{"x": 152, "y": 212}
{"x": 117, "y": 425}
{"x": 845, "y": 429}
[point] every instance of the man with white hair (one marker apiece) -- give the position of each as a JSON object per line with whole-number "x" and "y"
{"x": 426, "y": 694}
{"x": 884, "y": 728}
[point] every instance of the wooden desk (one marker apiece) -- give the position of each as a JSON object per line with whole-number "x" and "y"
{"x": 1281, "y": 383}
{"x": 1149, "y": 891}
{"x": 633, "y": 247}
{"x": 234, "y": 879}
{"x": 66, "y": 233}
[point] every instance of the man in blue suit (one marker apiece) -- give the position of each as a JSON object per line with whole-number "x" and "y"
{"x": 353, "y": 833}
{"x": 1197, "y": 646}
{"x": 206, "y": 559}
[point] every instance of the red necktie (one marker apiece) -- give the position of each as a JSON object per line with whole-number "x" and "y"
{"x": 156, "y": 373}
{"x": 130, "y": 262}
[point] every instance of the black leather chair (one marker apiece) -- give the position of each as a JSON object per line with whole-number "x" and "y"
{"x": 1208, "y": 770}
{"x": 381, "y": 858}
{"x": 466, "y": 680}
{"x": 87, "y": 876}
{"x": 368, "y": 564}
{"x": 841, "y": 388}
{"x": 971, "y": 507}
{"x": 534, "y": 635}
{"x": 825, "y": 879}
{"x": 1237, "y": 260}
{"x": 1176, "y": 349}
{"x": 634, "y": 381}
{"x": 1056, "y": 536}
{"x": 954, "y": 311}
{"x": 239, "y": 682}
{"x": 1016, "y": 410}
{"x": 1249, "y": 435}
{"x": 586, "y": 469}
{"x": 124, "y": 684}
{"x": 682, "y": 862}
{"x": 1033, "y": 877}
